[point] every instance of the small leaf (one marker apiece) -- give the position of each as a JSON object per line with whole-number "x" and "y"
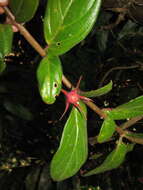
{"x": 66, "y": 22}
{"x": 18, "y": 110}
{"x": 107, "y": 130}
{"x": 6, "y": 37}
{"x": 73, "y": 150}
{"x": 101, "y": 91}
{"x": 49, "y": 75}
{"x": 113, "y": 160}
{"x": 129, "y": 110}
{"x": 23, "y": 10}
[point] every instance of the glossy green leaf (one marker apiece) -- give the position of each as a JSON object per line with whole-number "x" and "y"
{"x": 23, "y": 10}
{"x": 73, "y": 150}
{"x": 18, "y": 110}
{"x": 107, "y": 130}
{"x": 113, "y": 160}
{"x": 6, "y": 37}
{"x": 49, "y": 75}
{"x": 101, "y": 91}
{"x": 68, "y": 22}
{"x": 129, "y": 110}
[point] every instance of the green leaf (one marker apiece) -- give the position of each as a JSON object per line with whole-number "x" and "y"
{"x": 18, "y": 110}
{"x": 73, "y": 149}
{"x": 68, "y": 22}
{"x": 23, "y": 10}
{"x": 101, "y": 91}
{"x": 113, "y": 160}
{"x": 129, "y": 110}
{"x": 107, "y": 130}
{"x": 49, "y": 75}
{"x": 6, "y": 37}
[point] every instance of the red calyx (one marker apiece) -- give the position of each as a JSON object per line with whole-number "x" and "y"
{"x": 73, "y": 97}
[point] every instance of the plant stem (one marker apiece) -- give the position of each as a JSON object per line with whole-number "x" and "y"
{"x": 96, "y": 109}
{"x": 131, "y": 122}
{"x": 67, "y": 83}
{"x": 135, "y": 140}
{"x": 25, "y": 33}
{"x": 117, "y": 68}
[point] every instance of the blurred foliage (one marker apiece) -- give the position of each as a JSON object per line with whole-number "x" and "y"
{"x": 27, "y": 143}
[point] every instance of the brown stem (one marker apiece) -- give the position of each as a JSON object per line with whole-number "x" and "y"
{"x": 25, "y": 33}
{"x": 120, "y": 131}
{"x": 120, "y": 18}
{"x": 67, "y": 83}
{"x": 117, "y": 68}
{"x": 134, "y": 139}
{"x": 140, "y": 87}
{"x": 131, "y": 122}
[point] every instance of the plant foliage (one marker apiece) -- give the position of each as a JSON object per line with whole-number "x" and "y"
{"x": 36, "y": 148}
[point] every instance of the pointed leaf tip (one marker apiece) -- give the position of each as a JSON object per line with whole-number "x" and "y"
{"x": 107, "y": 130}
{"x": 99, "y": 92}
{"x": 113, "y": 160}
